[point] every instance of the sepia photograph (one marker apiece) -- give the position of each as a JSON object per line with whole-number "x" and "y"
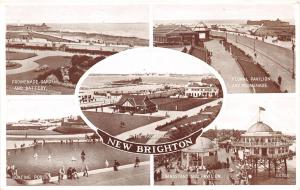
{"x": 48, "y": 143}
{"x": 149, "y": 106}
{"x": 47, "y": 54}
{"x": 251, "y": 46}
{"x": 252, "y": 143}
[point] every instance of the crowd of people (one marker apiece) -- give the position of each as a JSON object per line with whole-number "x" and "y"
{"x": 239, "y": 171}
{"x": 71, "y": 173}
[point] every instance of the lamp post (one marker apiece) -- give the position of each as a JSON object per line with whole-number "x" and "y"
{"x": 293, "y": 49}
{"x": 254, "y": 44}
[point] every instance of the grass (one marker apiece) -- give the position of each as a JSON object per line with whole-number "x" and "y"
{"x": 73, "y": 130}
{"x": 252, "y": 70}
{"x": 52, "y": 61}
{"x": 195, "y": 118}
{"x": 13, "y": 65}
{"x": 182, "y": 104}
{"x": 11, "y": 55}
{"x": 110, "y": 123}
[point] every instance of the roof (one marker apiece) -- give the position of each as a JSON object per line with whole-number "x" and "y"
{"x": 202, "y": 144}
{"x": 198, "y": 84}
{"x": 201, "y": 26}
{"x": 163, "y": 30}
{"x": 259, "y": 127}
{"x": 135, "y": 100}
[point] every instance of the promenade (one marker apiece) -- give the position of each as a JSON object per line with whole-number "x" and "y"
{"x": 127, "y": 175}
{"x": 276, "y": 60}
{"x": 227, "y": 67}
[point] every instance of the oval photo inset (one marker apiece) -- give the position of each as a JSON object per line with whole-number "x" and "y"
{"x": 150, "y": 100}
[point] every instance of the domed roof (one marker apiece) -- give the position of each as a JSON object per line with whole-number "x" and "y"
{"x": 259, "y": 127}
{"x": 202, "y": 144}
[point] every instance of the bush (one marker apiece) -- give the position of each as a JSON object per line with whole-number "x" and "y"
{"x": 55, "y": 72}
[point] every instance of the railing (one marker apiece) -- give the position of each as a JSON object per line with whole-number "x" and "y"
{"x": 259, "y": 144}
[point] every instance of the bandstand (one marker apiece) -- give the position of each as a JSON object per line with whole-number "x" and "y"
{"x": 202, "y": 154}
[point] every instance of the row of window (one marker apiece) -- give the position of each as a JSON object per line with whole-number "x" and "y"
{"x": 272, "y": 150}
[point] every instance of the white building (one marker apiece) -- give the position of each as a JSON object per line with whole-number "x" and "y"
{"x": 201, "y": 90}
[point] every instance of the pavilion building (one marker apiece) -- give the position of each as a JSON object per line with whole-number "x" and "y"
{"x": 135, "y": 104}
{"x": 261, "y": 146}
{"x": 202, "y": 154}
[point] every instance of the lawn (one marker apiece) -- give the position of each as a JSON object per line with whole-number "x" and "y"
{"x": 252, "y": 70}
{"x": 52, "y": 61}
{"x": 188, "y": 120}
{"x": 12, "y": 65}
{"x": 11, "y": 55}
{"x": 73, "y": 130}
{"x": 111, "y": 123}
{"x": 182, "y": 104}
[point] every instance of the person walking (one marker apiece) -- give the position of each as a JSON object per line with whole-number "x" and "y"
{"x": 137, "y": 162}
{"x": 85, "y": 171}
{"x": 106, "y": 164}
{"x": 61, "y": 173}
{"x": 116, "y": 165}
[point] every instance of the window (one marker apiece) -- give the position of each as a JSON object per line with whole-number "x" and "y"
{"x": 279, "y": 150}
{"x": 256, "y": 150}
{"x": 271, "y": 151}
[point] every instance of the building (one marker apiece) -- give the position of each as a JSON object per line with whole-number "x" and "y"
{"x": 277, "y": 28}
{"x": 174, "y": 35}
{"x": 277, "y": 22}
{"x": 201, "y": 90}
{"x": 202, "y": 30}
{"x": 202, "y": 154}
{"x": 136, "y": 104}
{"x": 261, "y": 146}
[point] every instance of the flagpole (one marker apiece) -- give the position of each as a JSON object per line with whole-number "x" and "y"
{"x": 258, "y": 114}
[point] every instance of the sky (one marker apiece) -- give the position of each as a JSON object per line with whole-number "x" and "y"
{"x": 240, "y": 112}
{"x": 76, "y": 13}
{"x": 223, "y": 12}
{"x": 40, "y": 108}
{"x": 151, "y": 60}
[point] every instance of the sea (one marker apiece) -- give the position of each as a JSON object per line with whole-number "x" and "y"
{"x": 139, "y": 30}
{"x": 211, "y": 21}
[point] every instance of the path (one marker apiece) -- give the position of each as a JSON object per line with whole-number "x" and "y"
{"x": 150, "y": 128}
{"x": 30, "y": 64}
{"x": 226, "y": 65}
{"x": 127, "y": 175}
{"x": 276, "y": 60}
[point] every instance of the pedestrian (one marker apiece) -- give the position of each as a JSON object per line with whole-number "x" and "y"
{"x": 137, "y": 162}
{"x": 85, "y": 171}
{"x": 116, "y": 165}
{"x": 155, "y": 175}
{"x": 189, "y": 179}
{"x": 82, "y": 155}
{"x": 106, "y": 164}
{"x": 61, "y": 173}
{"x": 231, "y": 180}
{"x": 159, "y": 175}
{"x": 279, "y": 79}
{"x": 227, "y": 160}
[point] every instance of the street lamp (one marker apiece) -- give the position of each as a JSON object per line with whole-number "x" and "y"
{"x": 293, "y": 49}
{"x": 254, "y": 44}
